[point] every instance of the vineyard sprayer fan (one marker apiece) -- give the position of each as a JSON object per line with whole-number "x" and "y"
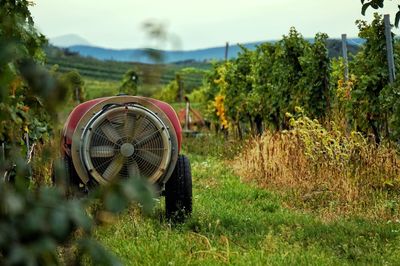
{"x": 119, "y": 137}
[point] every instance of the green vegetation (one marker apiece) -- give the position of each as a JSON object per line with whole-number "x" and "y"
{"x": 100, "y": 88}
{"x": 35, "y": 219}
{"x": 325, "y": 171}
{"x": 377, "y": 4}
{"x": 130, "y": 83}
{"x": 104, "y": 88}
{"x": 319, "y": 192}
{"x": 107, "y": 78}
{"x": 256, "y": 90}
{"x": 369, "y": 109}
{"x": 241, "y": 224}
{"x": 63, "y": 60}
{"x": 260, "y": 86}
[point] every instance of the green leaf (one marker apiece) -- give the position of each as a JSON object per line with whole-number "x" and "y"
{"x": 397, "y": 18}
{"x": 59, "y": 224}
{"x": 364, "y": 8}
{"x": 14, "y": 204}
{"x": 20, "y": 256}
{"x": 114, "y": 201}
{"x": 374, "y": 5}
{"x": 78, "y": 215}
{"x": 45, "y": 247}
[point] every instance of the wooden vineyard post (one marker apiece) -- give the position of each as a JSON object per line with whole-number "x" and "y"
{"x": 187, "y": 113}
{"x": 345, "y": 58}
{"x": 179, "y": 81}
{"x": 226, "y": 51}
{"x": 346, "y": 69}
{"x": 389, "y": 49}
{"x": 77, "y": 95}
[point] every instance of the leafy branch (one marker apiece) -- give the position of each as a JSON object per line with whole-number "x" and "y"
{"x": 376, "y": 4}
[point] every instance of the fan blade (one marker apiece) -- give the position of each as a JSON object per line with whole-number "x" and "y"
{"x": 148, "y": 137}
{"x": 129, "y": 125}
{"x": 102, "y": 151}
{"x": 111, "y": 133}
{"x": 114, "y": 168}
{"x": 133, "y": 170}
{"x": 138, "y": 128}
{"x": 151, "y": 149}
{"x": 149, "y": 157}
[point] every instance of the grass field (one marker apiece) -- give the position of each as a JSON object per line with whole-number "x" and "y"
{"x": 238, "y": 223}
{"x": 103, "y": 88}
{"x": 112, "y": 72}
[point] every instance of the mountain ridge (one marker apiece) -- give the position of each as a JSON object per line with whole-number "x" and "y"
{"x": 145, "y": 55}
{"x": 68, "y": 40}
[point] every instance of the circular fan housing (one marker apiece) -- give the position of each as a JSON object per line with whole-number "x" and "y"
{"x": 125, "y": 141}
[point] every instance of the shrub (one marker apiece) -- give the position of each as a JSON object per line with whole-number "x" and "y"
{"x": 169, "y": 93}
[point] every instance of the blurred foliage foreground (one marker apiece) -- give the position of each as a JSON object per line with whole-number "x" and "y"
{"x": 35, "y": 219}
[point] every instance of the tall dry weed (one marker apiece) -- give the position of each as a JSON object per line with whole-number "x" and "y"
{"x": 325, "y": 170}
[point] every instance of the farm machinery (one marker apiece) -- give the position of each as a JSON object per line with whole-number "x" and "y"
{"x": 120, "y": 137}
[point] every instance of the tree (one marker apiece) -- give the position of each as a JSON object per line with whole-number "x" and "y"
{"x": 25, "y": 85}
{"x": 130, "y": 83}
{"x": 169, "y": 93}
{"x": 214, "y": 95}
{"x": 36, "y": 220}
{"x": 287, "y": 72}
{"x": 315, "y": 80}
{"x": 370, "y": 68}
{"x": 259, "y": 87}
{"x": 74, "y": 82}
{"x": 239, "y": 86}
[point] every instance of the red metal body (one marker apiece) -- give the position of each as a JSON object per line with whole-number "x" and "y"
{"x": 80, "y": 110}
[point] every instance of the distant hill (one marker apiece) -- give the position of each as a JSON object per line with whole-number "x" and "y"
{"x": 146, "y": 55}
{"x": 200, "y": 55}
{"x": 63, "y": 60}
{"x": 68, "y": 40}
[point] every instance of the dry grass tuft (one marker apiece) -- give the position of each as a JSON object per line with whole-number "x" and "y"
{"x": 43, "y": 157}
{"x": 325, "y": 170}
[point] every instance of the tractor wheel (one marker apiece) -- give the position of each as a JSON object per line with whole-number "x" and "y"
{"x": 178, "y": 191}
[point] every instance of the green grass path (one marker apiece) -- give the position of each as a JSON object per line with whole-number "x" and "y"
{"x": 237, "y": 223}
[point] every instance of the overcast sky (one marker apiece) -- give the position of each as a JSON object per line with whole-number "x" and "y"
{"x": 198, "y": 23}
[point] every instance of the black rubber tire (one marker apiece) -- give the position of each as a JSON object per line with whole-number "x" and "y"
{"x": 178, "y": 192}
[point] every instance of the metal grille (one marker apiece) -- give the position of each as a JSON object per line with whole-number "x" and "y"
{"x": 126, "y": 142}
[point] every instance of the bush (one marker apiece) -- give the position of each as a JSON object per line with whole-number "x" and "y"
{"x": 169, "y": 93}
{"x": 36, "y": 221}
